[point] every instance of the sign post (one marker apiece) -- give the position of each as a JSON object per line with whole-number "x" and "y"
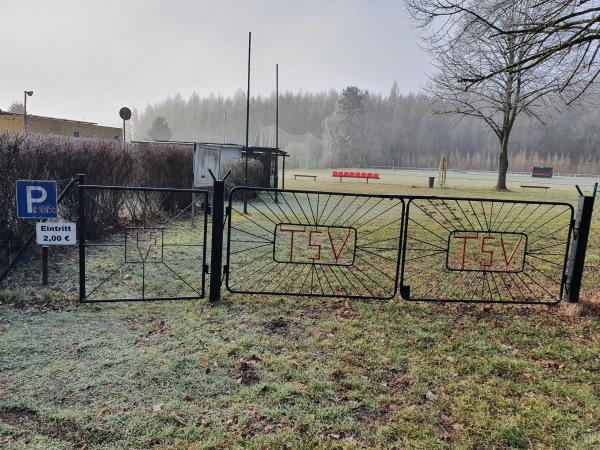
{"x": 38, "y": 200}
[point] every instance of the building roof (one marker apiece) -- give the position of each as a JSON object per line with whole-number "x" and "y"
{"x": 215, "y": 145}
{"x": 31, "y": 116}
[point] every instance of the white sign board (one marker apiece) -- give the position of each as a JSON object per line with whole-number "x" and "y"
{"x": 204, "y": 159}
{"x": 56, "y": 233}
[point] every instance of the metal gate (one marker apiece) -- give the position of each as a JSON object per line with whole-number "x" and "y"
{"x": 313, "y": 243}
{"x": 360, "y": 246}
{"x": 491, "y": 251}
{"x": 326, "y": 244}
{"x": 143, "y": 243}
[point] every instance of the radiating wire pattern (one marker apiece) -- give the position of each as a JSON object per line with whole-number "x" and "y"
{"x": 485, "y": 250}
{"x": 314, "y": 243}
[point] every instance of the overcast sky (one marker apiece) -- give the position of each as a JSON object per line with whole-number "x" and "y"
{"x": 85, "y": 59}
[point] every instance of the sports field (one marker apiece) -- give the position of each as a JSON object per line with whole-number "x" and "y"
{"x": 455, "y": 180}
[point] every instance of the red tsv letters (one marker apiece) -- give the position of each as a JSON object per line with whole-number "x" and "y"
{"x": 143, "y": 245}
{"x": 309, "y": 244}
{"x": 498, "y": 252}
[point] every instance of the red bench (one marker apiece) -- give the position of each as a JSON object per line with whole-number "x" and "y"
{"x": 363, "y": 175}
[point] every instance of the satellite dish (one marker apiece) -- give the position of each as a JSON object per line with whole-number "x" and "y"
{"x": 125, "y": 113}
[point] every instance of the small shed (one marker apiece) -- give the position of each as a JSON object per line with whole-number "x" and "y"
{"x": 210, "y": 155}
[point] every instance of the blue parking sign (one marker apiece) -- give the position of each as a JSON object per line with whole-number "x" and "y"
{"x": 36, "y": 199}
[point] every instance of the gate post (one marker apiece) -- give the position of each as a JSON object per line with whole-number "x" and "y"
{"x": 581, "y": 231}
{"x": 216, "y": 247}
{"x": 81, "y": 227}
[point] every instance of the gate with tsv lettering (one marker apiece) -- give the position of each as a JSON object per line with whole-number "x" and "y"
{"x": 143, "y": 243}
{"x": 359, "y": 246}
{"x": 150, "y": 244}
{"x": 313, "y": 243}
{"x": 485, "y": 250}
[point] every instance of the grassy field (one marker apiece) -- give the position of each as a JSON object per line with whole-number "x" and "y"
{"x": 274, "y": 372}
{"x": 456, "y": 181}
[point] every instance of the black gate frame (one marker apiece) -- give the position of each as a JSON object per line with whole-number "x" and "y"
{"x": 82, "y": 240}
{"x": 572, "y": 268}
{"x": 311, "y": 218}
{"x": 486, "y": 227}
{"x": 565, "y": 281}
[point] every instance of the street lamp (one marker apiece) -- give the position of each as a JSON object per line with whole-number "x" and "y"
{"x": 25, "y": 95}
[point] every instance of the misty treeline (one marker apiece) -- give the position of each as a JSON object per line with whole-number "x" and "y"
{"x": 357, "y": 128}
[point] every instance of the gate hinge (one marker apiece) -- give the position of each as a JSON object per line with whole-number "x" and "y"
{"x": 208, "y": 210}
{"x": 225, "y": 269}
{"x": 206, "y": 268}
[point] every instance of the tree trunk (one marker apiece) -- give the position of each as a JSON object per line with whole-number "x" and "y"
{"x": 502, "y": 165}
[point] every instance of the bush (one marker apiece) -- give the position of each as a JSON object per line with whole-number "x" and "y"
{"x": 237, "y": 167}
{"x": 104, "y": 162}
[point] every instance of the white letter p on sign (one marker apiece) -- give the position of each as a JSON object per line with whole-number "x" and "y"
{"x": 39, "y": 199}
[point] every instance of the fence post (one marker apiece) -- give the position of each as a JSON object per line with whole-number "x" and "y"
{"x": 81, "y": 228}
{"x": 216, "y": 248}
{"x": 45, "y": 251}
{"x": 581, "y": 231}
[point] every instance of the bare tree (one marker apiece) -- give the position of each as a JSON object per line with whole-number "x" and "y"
{"x": 466, "y": 50}
{"x": 566, "y": 32}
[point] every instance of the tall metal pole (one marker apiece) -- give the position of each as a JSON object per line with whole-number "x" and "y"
{"x": 277, "y": 124}
{"x": 25, "y": 110}
{"x": 81, "y": 229}
{"x": 25, "y": 94}
{"x": 247, "y": 124}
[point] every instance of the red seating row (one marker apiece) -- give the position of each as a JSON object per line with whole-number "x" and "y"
{"x": 366, "y": 175}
